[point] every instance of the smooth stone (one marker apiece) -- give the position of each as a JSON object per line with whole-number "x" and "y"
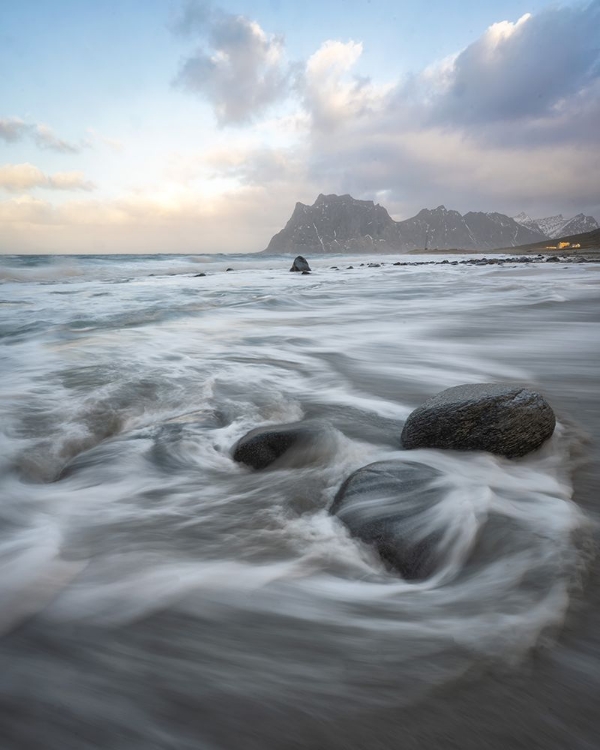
{"x": 264, "y": 446}
{"x": 386, "y": 504}
{"x": 300, "y": 264}
{"x": 504, "y": 419}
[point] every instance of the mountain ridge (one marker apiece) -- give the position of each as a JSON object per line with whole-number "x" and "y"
{"x": 341, "y": 223}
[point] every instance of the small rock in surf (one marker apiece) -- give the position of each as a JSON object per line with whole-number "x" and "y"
{"x": 300, "y": 264}
{"x": 264, "y": 446}
{"x": 504, "y": 419}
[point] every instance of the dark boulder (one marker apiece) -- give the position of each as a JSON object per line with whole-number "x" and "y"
{"x": 300, "y": 264}
{"x": 503, "y": 419}
{"x": 198, "y": 275}
{"x": 387, "y": 504}
{"x": 295, "y": 444}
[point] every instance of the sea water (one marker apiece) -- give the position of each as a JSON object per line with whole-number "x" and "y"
{"x": 155, "y": 594}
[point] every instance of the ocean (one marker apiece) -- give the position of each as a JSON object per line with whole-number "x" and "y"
{"x": 157, "y": 595}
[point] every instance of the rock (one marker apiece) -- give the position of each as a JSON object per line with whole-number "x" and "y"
{"x": 503, "y": 419}
{"x": 306, "y": 273}
{"x": 228, "y": 269}
{"x": 300, "y": 264}
{"x": 386, "y": 504}
{"x": 198, "y": 275}
{"x": 264, "y": 446}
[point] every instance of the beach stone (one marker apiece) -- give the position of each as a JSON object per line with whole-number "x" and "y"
{"x": 264, "y": 446}
{"x": 505, "y": 419}
{"x": 386, "y": 504}
{"x": 300, "y": 264}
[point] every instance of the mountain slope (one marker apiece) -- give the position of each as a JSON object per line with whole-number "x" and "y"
{"x": 340, "y": 223}
{"x": 586, "y": 241}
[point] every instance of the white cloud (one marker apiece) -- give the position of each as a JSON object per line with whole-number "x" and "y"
{"x": 239, "y": 68}
{"x": 20, "y": 177}
{"x": 331, "y": 94}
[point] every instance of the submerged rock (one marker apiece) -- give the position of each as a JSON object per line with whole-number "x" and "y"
{"x": 503, "y": 419}
{"x": 386, "y": 504}
{"x": 264, "y": 446}
{"x": 300, "y": 264}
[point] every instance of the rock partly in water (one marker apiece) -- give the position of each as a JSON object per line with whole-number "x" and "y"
{"x": 388, "y": 504}
{"x": 295, "y": 444}
{"x": 300, "y": 264}
{"x": 504, "y": 419}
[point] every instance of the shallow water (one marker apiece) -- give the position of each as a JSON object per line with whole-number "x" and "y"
{"x": 157, "y": 595}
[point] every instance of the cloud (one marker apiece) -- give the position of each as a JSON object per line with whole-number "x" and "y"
{"x": 239, "y": 68}
{"x": 523, "y": 70}
{"x": 95, "y": 137}
{"x": 12, "y": 129}
{"x": 19, "y": 177}
{"x": 47, "y": 139}
{"x": 509, "y": 122}
{"x": 147, "y": 222}
{"x": 331, "y": 94}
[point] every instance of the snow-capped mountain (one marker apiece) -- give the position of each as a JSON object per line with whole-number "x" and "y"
{"x": 528, "y": 222}
{"x": 577, "y": 225}
{"x": 558, "y": 226}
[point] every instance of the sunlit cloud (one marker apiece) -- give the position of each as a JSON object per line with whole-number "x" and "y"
{"x": 20, "y": 177}
{"x": 331, "y": 94}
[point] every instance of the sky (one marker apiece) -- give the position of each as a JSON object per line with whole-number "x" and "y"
{"x": 194, "y": 127}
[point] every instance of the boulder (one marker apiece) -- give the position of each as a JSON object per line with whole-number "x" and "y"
{"x": 294, "y": 444}
{"x": 388, "y": 504}
{"x": 300, "y": 264}
{"x": 504, "y": 419}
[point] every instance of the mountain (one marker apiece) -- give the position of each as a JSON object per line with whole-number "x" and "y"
{"x": 340, "y": 223}
{"x": 578, "y": 225}
{"x": 335, "y": 224}
{"x": 528, "y": 222}
{"x": 557, "y": 226}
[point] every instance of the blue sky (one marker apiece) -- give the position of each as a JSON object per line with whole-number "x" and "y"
{"x": 192, "y": 127}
